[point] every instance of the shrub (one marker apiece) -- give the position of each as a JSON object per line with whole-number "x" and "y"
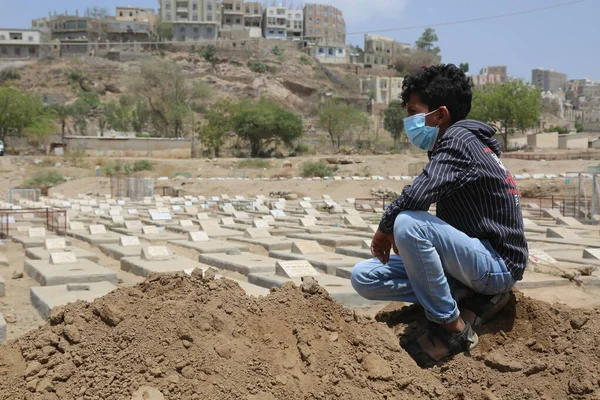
{"x": 74, "y": 76}
{"x": 305, "y": 60}
{"x": 277, "y": 51}
{"x": 254, "y": 163}
{"x": 312, "y": 169}
{"x": 301, "y": 149}
{"x": 257, "y": 66}
{"x": 142, "y": 165}
{"x": 9, "y": 74}
{"x": 44, "y": 178}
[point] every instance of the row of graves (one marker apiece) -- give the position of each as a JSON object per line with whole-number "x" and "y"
{"x": 321, "y": 238}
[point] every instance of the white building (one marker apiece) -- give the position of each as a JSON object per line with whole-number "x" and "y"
{"x": 192, "y": 20}
{"x": 275, "y": 23}
{"x": 20, "y": 43}
{"x": 330, "y": 53}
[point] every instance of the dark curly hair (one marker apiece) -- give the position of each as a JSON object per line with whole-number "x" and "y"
{"x": 440, "y": 85}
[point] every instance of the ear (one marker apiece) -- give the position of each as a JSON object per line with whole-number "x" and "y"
{"x": 443, "y": 116}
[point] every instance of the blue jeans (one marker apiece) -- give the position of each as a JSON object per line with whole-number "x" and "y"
{"x": 435, "y": 259}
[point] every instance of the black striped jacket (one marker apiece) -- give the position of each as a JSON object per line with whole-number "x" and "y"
{"x": 473, "y": 192}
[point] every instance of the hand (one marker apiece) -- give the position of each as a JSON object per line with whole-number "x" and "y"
{"x": 381, "y": 245}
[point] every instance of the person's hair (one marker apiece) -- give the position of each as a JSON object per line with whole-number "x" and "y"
{"x": 440, "y": 85}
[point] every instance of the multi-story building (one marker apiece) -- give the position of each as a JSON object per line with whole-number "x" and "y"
{"x": 330, "y": 53}
{"x": 20, "y": 43}
{"x": 132, "y": 24}
{"x": 549, "y": 80}
{"x": 233, "y": 25}
{"x": 323, "y": 23}
{"x": 275, "y": 22}
{"x": 253, "y": 15}
{"x": 491, "y": 75}
{"x": 192, "y": 20}
{"x": 76, "y": 35}
{"x": 382, "y": 90}
{"x": 379, "y": 50}
{"x": 295, "y": 23}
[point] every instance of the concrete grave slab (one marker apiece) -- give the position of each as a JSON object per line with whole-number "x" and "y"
{"x": 330, "y": 240}
{"x": 97, "y": 230}
{"x": 227, "y": 222}
{"x": 338, "y": 288}
{"x": 541, "y": 258}
{"x": 330, "y": 263}
{"x": 561, "y": 233}
{"x": 134, "y": 225}
{"x": 254, "y": 233}
{"x": 40, "y": 253}
{"x": 40, "y": 241}
{"x": 200, "y": 242}
{"x": 57, "y": 243}
{"x": 245, "y": 263}
{"x": 355, "y": 221}
{"x": 36, "y": 232}
{"x": 116, "y": 251}
{"x": 268, "y": 242}
{"x": 592, "y": 254}
{"x": 83, "y": 271}
{"x": 306, "y": 247}
{"x": 551, "y": 213}
{"x": 143, "y": 267}
{"x": 260, "y": 223}
{"x": 569, "y": 221}
{"x": 98, "y": 239}
{"x": 44, "y": 299}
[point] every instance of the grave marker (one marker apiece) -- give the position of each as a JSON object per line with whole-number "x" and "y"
{"x": 593, "y": 254}
{"x": 36, "y": 232}
{"x": 97, "y": 230}
{"x": 202, "y": 216}
{"x": 150, "y": 230}
{"x": 132, "y": 211}
{"x": 560, "y": 233}
{"x": 227, "y": 221}
{"x": 66, "y": 257}
{"x": 161, "y": 217}
{"x": 269, "y": 218}
{"x": 277, "y": 213}
{"x": 55, "y": 244}
{"x": 156, "y": 253}
{"x": 260, "y": 223}
{"x": 295, "y": 269}
{"x": 256, "y": 233}
{"x": 191, "y": 210}
{"x": 186, "y": 223}
{"x": 540, "y": 257}
{"x": 241, "y": 215}
{"x": 129, "y": 241}
{"x": 307, "y": 247}
{"x": 355, "y": 221}
{"x": 76, "y": 226}
{"x": 198, "y": 236}
{"x": 118, "y": 220}
{"x": 209, "y": 225}
{"x": 307, "y": 222}
{"x": 306, "y": 205}
{"x": 135, "y": 225}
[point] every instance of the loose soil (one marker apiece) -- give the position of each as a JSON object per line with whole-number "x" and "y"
{"x": 180, "y": 337}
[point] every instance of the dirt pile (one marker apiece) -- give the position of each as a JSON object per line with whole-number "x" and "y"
{"x": 179, "y": 337}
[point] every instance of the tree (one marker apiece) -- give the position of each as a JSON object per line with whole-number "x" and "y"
{"x": 218, "y": 127}
{"x": 579, "y": 127}
{"x": 340, "y": 120}
{"x": 264, "y": 124}
{"x": 170, "y": 95}
{"x": 165, "y": 31}
{"x": 514, "y": 104}
{"x": 62, "y": 112}
{"x": 20, "y": 110}
{"x": 427, "y": 41}
{"x": 464, "y": 67}
{"x": 81, "y": 108}
{"x": 393, "y": 120}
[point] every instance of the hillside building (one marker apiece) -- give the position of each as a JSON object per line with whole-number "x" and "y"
{"x": 20, "y": 43}
{"x": 324, "y": 23}
{"x": 192, "y": 20}
{"x": 549, "y": 80}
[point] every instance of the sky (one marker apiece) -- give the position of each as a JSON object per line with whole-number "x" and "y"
{"x": 563, "y": 39}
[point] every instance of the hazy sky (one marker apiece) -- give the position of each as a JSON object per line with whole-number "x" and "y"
{"x": 564, "y": 39}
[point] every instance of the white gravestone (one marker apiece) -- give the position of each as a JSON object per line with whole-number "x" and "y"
{"x": 540, "y": 257}
{"x": 129, "y": 241}
{"x": 150, "y": 230}
{"x": 134, "y": 225}
{"x": 256, "y": 233}
{"x": 76, "y": 226}
{"x": 227, "y": 221}
{"x": 307, "y": 222}
{"x": 156, "y": 253}
{"x": 55, "y": 244}
{"x": 118, "y": 220}
{"x": 36, "y": 232}
{"x": 97, "y": 230}
{"x": 67, "y": 257}
{"x": 198, "y": 237}
{"x": 186, "y": 223}
{"x": 591, "y": 254}
{"x": 307, "y": 247}
{"x": 295, "y": 269}
{"x": 260, "y": 223}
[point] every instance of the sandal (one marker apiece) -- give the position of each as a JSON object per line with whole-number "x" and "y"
{"x": 485, "y": 307}
{"x": 457, "y": 343}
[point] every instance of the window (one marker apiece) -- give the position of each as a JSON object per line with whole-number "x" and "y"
{"x": 130, "y": 14}
{"x": 209, "y": 30}
{"x": 168, "y": 6}
{"x": 168, "y": 16}
{"x": 195, "y": 29}
{"x": 321, "y": 50}
{"x": 182, "y": 29}
{"x": 32, "y": 50}
{"x": 209, "y": 17}
{"x": 17, "y": 51}
{"x": 4, "y": 50}
{"x": 298, "y": 16}
{"x": 271, "y": 32}
{"x": 30, "y": 38}
{"x": 120, "y": 13}
{"x": 194, "y": 6}
{"x": 209, "y": 6}
{"x": 194, "y": 18}
{"x": 271, "y": 12}
{"x": 330, "y": 52}
{"x": 247, "y": 10}
{"x": 340, "y": 51}
{"x": 238, "y": 7}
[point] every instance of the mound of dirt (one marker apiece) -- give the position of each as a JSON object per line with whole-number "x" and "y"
{"x": 180, "y": 337}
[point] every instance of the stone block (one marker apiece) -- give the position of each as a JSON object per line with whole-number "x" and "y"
{"x": 186, "y": 223}
{"x": 306, "y": 247}
{"x": 307, "y": 222}
{"x": 227, "y": 222}
{"x": 76, "y": 226}
{"x": 355, "y": 221}
{"x": 295, "y": 269}
{"x": 209, "y": 225}
{"x": 118, "y": 220}
{"x": 245, "y": 263}
{"x": 562, "y": 233}
{"x": 156, "y": 253}
{"x": 44, "y": 299}
{"x": 540, "y": 257}
{"x": 569, "y": 221}
{"x": 202, "y": 216}
{"x": 3, "y": 261}
{"x": 254, "y": 233}
{"x": 150, "y": 230}
{"x": 198, "y": 236}
{"x": 36, "y": 232}
{"x": 241, "y": 215}
{"x": 55, "y": 243}
{"x": 61, "y": 258}
{"x": 84, "y": 271}
{"x": 593, "y": 254}
{"x": 129, "y": 241}
{"x": 97, "y": 230}
{"x": 260, "y": 224}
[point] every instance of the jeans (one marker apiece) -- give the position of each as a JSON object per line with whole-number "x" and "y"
{"x": 435, "y": 260}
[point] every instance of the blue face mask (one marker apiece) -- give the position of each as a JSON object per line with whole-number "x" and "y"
{"x": 419, "y": 134}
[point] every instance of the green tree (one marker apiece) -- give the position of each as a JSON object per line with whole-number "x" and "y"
{"x": 20, "y": 110}
{"x": 170, "y": 95}
{"x": 464, "y": 67}
{"x": 264, "y": 124}
{"x": 118, "y": 115}
{"x": 393, "y": 121}
{"x": 218, "y": 127}
{"x": 340, "y": 120}
{"x": 427, "y": 41}
{"x": 165, "y": 31}
{"x": 62, "y": 112}
{"x": 81, "y": 108}
{"x": 514, "y": 104}
{"x": 579, "y": 127}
